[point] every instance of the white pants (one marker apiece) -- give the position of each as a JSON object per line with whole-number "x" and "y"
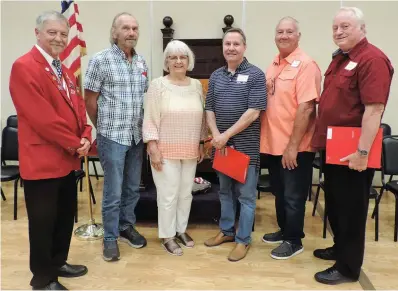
{"x": 174, "y": 195}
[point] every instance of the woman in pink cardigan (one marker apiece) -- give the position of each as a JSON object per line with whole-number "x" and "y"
{"x": 174, "y": 129}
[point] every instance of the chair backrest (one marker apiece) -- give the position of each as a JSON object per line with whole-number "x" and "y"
{"x": 12, "y": 121}
{"x": 9, "y": 144}
{"x": 386, "y": 129}
{"x": 390, "y": 155}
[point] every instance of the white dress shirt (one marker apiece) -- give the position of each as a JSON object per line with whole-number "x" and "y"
{"x": 50, "y": 59}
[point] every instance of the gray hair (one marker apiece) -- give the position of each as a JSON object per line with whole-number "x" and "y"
{"x": 111, "y": 39}
{"x": 177, "y": 46}
{"x": 237, "y": 30}
{"x": 50, "y": 15}
{"x": 289, "y": 18}
{"x": 356, "y": 12}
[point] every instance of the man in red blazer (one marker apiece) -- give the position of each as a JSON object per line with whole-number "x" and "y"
{"x": 53, "y": 134}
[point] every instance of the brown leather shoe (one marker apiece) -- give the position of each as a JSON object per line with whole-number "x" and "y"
{"x": 220, "y": 238}
{"x": 238, "y": 253}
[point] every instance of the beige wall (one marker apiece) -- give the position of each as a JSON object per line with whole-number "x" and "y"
{"x": 202, "y": 19}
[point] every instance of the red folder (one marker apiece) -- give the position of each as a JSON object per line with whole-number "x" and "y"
{"x": 233, "y": 164}
{"x": 343, "y": 141}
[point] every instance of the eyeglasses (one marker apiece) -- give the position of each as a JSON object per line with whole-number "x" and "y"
{"x": 176, "y": 58}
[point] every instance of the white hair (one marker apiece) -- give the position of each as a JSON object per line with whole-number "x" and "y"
{"x": 356, "y": 12}
{"x": 50, "y": 15}
{"x": 177, "y": 46}
{"x": 289, "y": 18}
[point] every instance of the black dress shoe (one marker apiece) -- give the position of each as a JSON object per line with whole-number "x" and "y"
{"x": 52, "y": 286}
{"x": 70, "y": 271}
{"x": 332, "y": 277}
{"x": 326, "y": 254}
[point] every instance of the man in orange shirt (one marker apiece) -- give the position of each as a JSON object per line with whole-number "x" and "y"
{"x": 287, "y": 127}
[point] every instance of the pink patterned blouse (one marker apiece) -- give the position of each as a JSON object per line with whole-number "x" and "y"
{"x": 174, "y": 116}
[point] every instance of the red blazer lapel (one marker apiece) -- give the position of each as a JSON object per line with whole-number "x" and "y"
{"x": 72, "y": 94}
{"x": 50, "y": 74}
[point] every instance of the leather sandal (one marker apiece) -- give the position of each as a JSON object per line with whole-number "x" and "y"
{"x": 184, "y": 238}
{"x": 171, "y": 246}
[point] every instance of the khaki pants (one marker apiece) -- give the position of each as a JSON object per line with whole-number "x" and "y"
{"x": 174, "y": 195}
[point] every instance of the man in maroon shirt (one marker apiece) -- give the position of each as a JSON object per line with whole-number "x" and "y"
{"x": 356, "y": 89}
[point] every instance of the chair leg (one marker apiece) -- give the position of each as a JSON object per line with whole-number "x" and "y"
{"x": 396, "y": 219}
{"x": 16, "y": 199}
{"x": 91, "y": 191}
{"x": 21, "y": 182}
{"x": 95, "y": 170}
{"x": 77, "y": 201}
{"x": 377, "y": 221}
{"x": 325, "y": 220}
{"x": 2, "y": 195}
{"x": 318, "y": 189}
{"x": 258, "y": 194}
{"x": 377, "y": 202}
{"x": 310, "y": 188}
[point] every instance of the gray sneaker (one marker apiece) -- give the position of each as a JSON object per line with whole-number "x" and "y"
{"x": 286, "y": 250}
{"x": 273, "y": 238}
{"x": 132, "y": 237}
{"x": 110, "y": 251}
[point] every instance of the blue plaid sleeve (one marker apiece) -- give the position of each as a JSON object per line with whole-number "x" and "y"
{"x": 94, "y": 76}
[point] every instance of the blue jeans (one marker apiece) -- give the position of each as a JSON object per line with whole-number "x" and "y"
{"x": 122, "y": 177}
{"x": 232, "y": 191}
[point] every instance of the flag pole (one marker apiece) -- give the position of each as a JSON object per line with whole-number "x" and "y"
{"x": 91, "y": 230}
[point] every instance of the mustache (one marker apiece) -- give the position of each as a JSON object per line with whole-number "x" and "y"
{"x": 57, "y": 43}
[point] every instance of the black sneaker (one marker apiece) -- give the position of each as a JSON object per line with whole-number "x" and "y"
{"x": 110, "y": 251}
{"x": 328, "y": 254}
{"x": 273, "y": 238}
{"x": 286, "y": 250}
{"x": 332, "y": 276}
{"x": 132, "y": 237}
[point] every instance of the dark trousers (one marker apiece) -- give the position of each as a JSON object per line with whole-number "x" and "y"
{"x": 347, "y": 201}
{"x": 291, "y": 189}
{"x": 51, "y": 205}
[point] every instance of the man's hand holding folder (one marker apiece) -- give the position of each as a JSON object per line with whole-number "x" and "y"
{"x": 342, "y": 148}
{"x": 356, "y": 161}
{"x": 231, "y": 162}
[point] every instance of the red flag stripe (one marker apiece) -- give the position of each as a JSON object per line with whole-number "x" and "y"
{"x": 76, "y": 47}
{"x": 74, "y": 42}
{"x": 75, "y": 65}
{"x": 76, "y": 8}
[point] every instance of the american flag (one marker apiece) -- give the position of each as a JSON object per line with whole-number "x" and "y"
{"x": 76, "y": 47}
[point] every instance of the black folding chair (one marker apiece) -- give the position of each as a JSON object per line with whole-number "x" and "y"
{"x": 389, "y": 167}
{"x": 9, "y": 152}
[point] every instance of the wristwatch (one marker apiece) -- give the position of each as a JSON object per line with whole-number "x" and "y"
{"x": 363, "y": 152}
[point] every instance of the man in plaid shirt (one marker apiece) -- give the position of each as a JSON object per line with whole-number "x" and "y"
{"x": 116, "y": 80}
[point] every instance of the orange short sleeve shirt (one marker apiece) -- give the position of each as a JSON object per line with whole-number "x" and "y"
{"x": 290, "y": 82}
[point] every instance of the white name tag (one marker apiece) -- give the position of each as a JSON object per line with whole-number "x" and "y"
{"x": 242, "y": 78}
{"x": 140, "y": 65}
{"x": 329, "y": 133}
{"x": 295, "y": 64}
{"x": 351, "y": 65}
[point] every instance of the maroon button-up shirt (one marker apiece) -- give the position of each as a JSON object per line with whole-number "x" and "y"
{"x": 361, "y": 76}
